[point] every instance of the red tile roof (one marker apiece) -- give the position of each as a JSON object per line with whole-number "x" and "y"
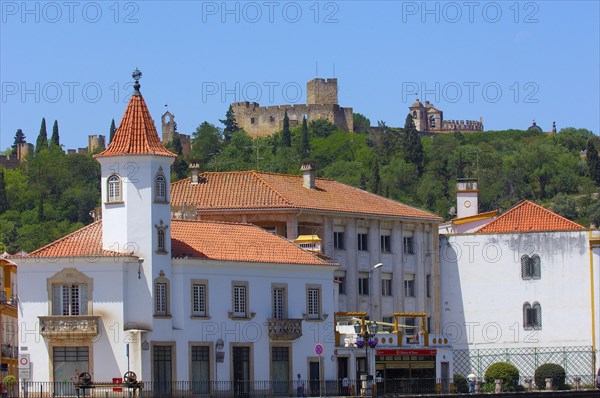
{"x": 261, "y": 190}
{"x": 235, "y": 242}
{"x": 529, "y": 217}
{"x": 85, "y": 242}
{"x": 136, "y": 134}
{"x": 194, "y": 239}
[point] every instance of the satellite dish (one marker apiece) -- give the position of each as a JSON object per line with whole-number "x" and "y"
{"x": 452, "y": 211}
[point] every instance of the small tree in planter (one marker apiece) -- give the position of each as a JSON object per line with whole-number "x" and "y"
{"x": 9, "y": 383}
{"x": 550, "y": 370}
{"x": 505, "y": 371}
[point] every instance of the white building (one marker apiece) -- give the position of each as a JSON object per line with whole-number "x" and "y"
{"x": 172, "y": 300}
{"x": 525, "y": 282}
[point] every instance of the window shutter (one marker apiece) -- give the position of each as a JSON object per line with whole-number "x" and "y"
{"x": 537, "y": 267}
{"x": 83, "y": 300}
{"x": 57, "y": 300}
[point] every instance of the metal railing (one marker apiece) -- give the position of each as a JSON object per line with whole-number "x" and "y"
{"x": 240, "y": 388}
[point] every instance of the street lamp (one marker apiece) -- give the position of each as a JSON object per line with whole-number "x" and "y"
{"x": 378, "y": 265}
{"x": 367, "y": 335}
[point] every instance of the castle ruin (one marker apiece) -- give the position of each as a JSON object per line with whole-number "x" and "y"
{"x": 430, "y": 119}
{"x": 321, "y": 103}
{"x": 169, "y": 131}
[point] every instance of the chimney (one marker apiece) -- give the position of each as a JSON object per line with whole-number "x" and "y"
{"x": 308, "y": 176}
{"x": 467, "y": 195}
{"x": 194, "y": 168}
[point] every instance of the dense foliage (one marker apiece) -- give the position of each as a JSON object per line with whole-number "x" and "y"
{"x": 461, "y": 385}
{"x": 505, "y": 371}
{"x": 553, "y": 371}
{"x": 52, "y": 193}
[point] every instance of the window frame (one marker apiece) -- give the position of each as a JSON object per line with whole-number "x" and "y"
{"x": 363, "y": 284}
{"x": 159, "y": 283}
{"x": 114, "y": 182}
{"x": 284, "y": 301}
{"x": 362, "y": 241}
{"x": 339, "y": 240}
{"x": 531, "y": 267}
{"x": 409, "y": 285}
{"x": 237, "y": 286}
{"x": 532, "y": 316}
{"x": 386, "y": 285}
{"x": 312, "y": 313}
{"x": 408, "y": 245}
{"x": 160, "y": 185}
{"x": 70, "y": 277}
{"x": 340, "y": 277}
{"x": 386, "y": 243}
{"x": 199, "y": 313}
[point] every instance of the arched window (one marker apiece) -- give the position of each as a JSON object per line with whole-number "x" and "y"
{"x": 162, "y": 307}
{"x": 536, "y": 265}
{"x": 532, "y": 316}
{"x": 114, "y": 188}
{"x": 531, "y": 267}
{"x": 160, "y": 188}
{"x": 161, "y": 237}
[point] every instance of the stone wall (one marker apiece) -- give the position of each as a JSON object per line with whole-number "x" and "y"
{"x": 259, "y": 121}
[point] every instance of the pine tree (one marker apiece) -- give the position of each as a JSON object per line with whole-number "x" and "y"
{"x": 55, "y": 139}
{"x": 593, "y": 161}
{"x": 42, "y": 140}
{"x": 286, "y": 136}
{"x": 3, "y": 197}
{"x": 304, "y": 142}
{"x": 412, "y": 145}
{"x": 111, "y": 133}
{"x": 19, "y": 139}
{"x": 230, "y": 123}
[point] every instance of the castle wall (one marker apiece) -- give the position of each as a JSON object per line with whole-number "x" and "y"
{"x": 260, "y": 121}
{"x": 322, "y": 92}
{"x": 96, "y": 142}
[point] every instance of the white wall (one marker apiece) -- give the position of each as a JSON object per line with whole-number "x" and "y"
{"x": 483, "y": 292}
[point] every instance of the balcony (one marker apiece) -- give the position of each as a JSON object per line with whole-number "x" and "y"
{"x": 285, "y": 329}
{"x": 5, "y": 300}
{"x": 9, "y": 351}
{"x": 61, "y": 327}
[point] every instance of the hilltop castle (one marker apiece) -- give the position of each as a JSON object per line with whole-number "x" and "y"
{"x": 321, "y": 103}
{"x": 430, "y": 119}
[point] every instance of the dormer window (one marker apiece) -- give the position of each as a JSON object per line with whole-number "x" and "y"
{"x": 114, "y": 188}
{"x": 160, "y": 188}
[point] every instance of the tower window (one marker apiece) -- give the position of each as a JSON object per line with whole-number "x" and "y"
{"x": 114, "y": 188}
{"x": 160, "y": 188}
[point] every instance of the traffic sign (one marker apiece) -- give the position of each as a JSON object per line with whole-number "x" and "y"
{"x": 23, "y": 361}
{"x": 319, "y": 349}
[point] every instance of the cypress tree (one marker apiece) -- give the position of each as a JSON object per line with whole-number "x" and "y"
{"x": 286, "y": 136}
{"x": 375, "y": 177}
{"x": 412, "y": 145}
{"x": 593, "y": 162}
{"x": 55, "y": 139}
{"x": 111, "y": 133}
{"x": 42, "y": 140}
{"x": 41, "y": 209}
{"x": 3, "y": 197}
{"x": 304, "y": 143}
{"x": 19, "y": 139}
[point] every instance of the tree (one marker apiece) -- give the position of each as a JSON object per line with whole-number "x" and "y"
{"x": 3, "y": 198}
{"x": 111, "y": 133}
{"x": 593, "y": 161}
{"x": 207, "y": 142}
{"x": 40, "y": 209}
{"x": 42, "y": 140}
{"x": 304, "y": 141}
{"x": 286, "y": 135}
{"x": 412, "y": 145}
{"x": 375, "y": 177}
{"x": 55, "y": 139}
{"x": 230, "y": 123}
{"x": 360, "y": 122}
{"x": 321, "y": 128}
{"x": 19, "y": 139}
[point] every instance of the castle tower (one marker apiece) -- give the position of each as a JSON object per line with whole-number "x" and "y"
{"x": 467, "y": 197}
{"x": 135, "y": 185}
{"x": 168, "y": 127}
{"x": 322, "y": 92}
{"x": 96, "y": 142}
{"x": 419, "y": 114}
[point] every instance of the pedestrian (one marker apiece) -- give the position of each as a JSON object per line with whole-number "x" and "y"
{"x": 472, "y": 379}
{"x": 300, "y": 386}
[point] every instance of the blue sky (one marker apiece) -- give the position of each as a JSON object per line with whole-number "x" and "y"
{"x": 506, "y": 61}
